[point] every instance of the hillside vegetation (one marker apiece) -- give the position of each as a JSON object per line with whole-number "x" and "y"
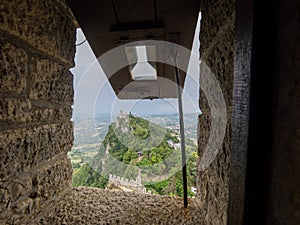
{"x": 133, "y": 143}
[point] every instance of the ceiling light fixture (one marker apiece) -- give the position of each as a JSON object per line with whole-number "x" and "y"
{"x": 142, "y": 70}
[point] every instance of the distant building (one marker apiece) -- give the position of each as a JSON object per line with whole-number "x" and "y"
{"x": 177, "y": 146}
{"x": 194, "y": 190}
{"x": 122, "y": 122}
{"x": 140, "y": 153}
{"x": 170, "y": 143}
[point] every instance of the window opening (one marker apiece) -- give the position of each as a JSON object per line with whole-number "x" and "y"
{"x": 151, "y": 128}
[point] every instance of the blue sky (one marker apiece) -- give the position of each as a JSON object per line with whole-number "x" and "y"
{"x": 93, "y": 93}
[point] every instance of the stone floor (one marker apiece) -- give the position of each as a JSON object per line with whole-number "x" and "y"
{"x": 96, "y": 206}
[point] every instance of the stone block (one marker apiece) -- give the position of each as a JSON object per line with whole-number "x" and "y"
{"x": 50, "y": 81}
{"x": 11, "y": 192}
{"x": 215, "y": 16}
{"x": 13, "y": 109}
{"x": 13, "y": 64}
{"x": 22, "y": 196}
{"x": 24, "y": 148}
{"x": 220, "y": 61}
{"x": 96, "y": 206}
{"x": 17, "y": 110}
{"x": 42, "y": 24}
{"x": 52, "y": 179}
{"x": 17, "y": 189}
{"x": 5, "y": 201}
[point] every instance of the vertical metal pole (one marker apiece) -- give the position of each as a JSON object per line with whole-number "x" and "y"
{"x": 183, "y": 153}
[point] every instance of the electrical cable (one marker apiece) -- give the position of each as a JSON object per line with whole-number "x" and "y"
{"x": 80, "y": 43}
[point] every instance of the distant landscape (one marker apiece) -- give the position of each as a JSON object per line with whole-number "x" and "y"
{"x": 121, "y": 145}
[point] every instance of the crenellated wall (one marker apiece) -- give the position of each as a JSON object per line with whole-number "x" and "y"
{"x": 216, "y": 51}
{"x": 36, "y": 93}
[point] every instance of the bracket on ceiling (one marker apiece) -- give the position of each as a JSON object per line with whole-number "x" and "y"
{"x": 129, "y": 32}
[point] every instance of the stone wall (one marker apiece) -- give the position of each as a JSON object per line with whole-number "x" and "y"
{"x": 126, "y": 184}
{"x": 216, "y": 51}
{"x": 94, "y": 206}
{"x": 36, "y": 93}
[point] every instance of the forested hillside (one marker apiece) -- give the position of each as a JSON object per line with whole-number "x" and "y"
{"x": 133, "y": 143}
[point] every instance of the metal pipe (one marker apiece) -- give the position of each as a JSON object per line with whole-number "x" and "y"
{"x": 182, "y": 136}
